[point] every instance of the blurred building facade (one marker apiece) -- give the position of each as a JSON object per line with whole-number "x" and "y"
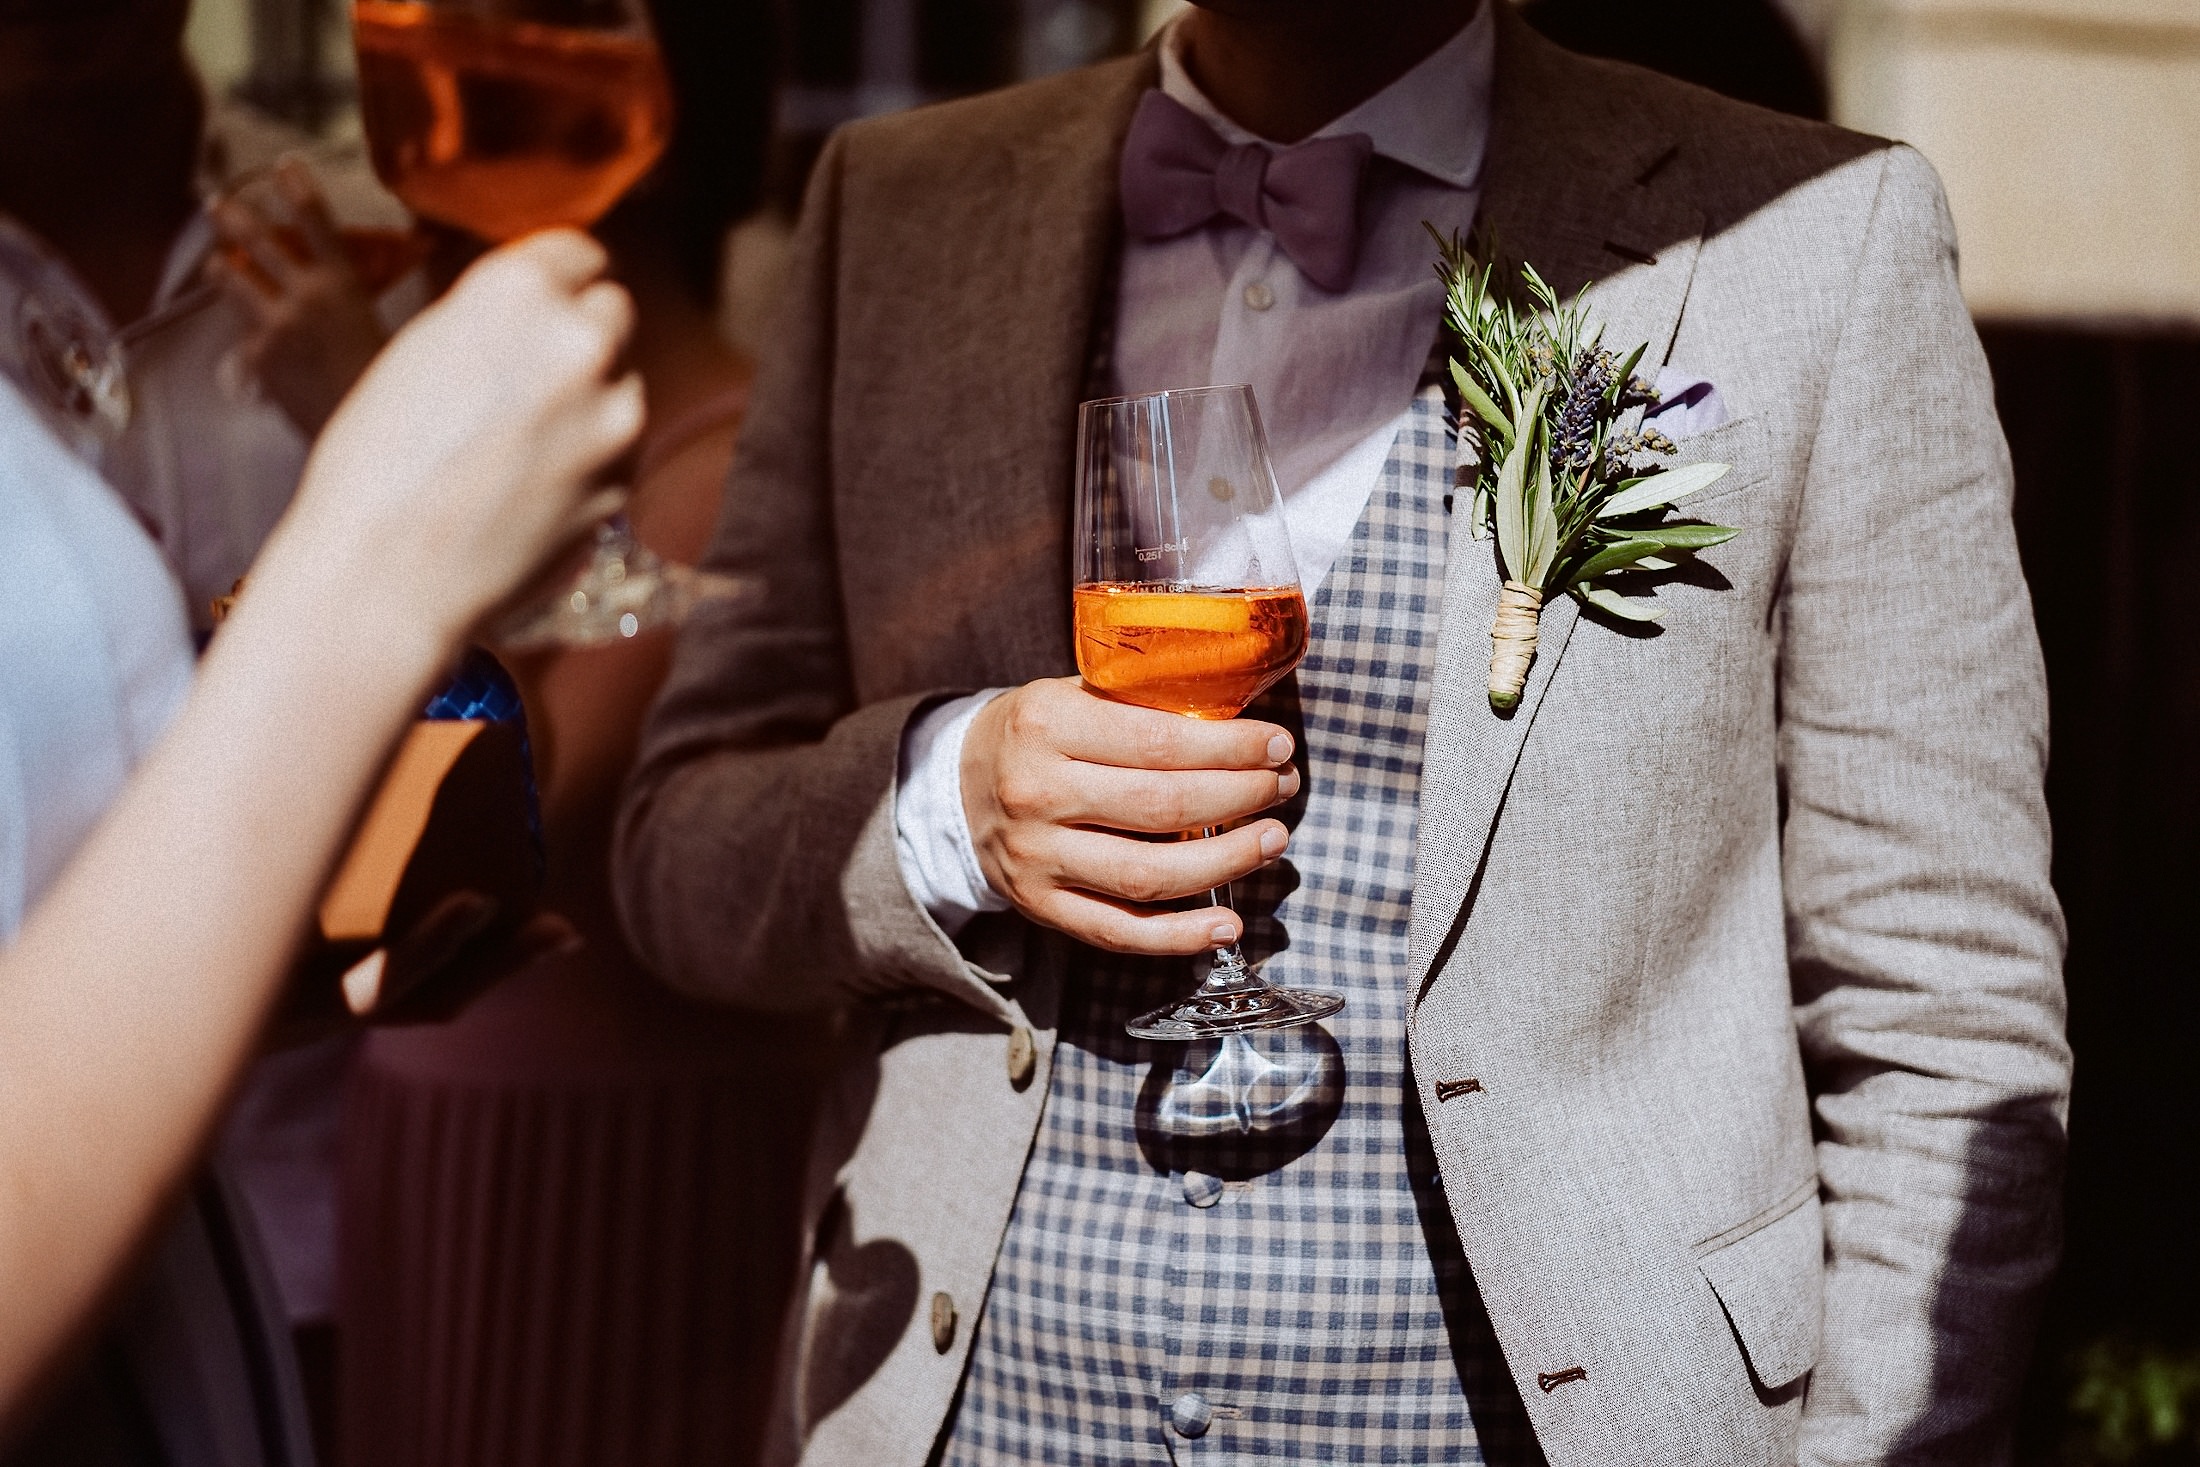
{"x": 288, "y": 58}
{"x": 2067, "y": 131}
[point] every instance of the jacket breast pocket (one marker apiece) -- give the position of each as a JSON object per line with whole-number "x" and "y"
{"x": 1738, "y": 443}
{"x": 1770, "y": 1278}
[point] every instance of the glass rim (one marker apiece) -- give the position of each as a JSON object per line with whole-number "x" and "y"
{"x": 1166, "y": 392}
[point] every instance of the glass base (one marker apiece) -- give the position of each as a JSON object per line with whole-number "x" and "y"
{"x": 1235, "y": 1011}
{"x": 625, "y": 590}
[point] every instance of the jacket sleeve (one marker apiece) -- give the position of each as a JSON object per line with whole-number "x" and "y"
{"x": 755, "y": 855}
{"x": 1925, "y": 940}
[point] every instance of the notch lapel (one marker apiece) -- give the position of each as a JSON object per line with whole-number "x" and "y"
{"x": 1580, "y": 186}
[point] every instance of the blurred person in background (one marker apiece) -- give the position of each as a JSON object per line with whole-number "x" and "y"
{"x": 164, "y": 833}
{"x": 1700, "y": 1096}
{"x": 108, "y": 166}
{"x": 568, "y": 1216}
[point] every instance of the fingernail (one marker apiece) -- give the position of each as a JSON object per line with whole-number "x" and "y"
{"x": 1222, "y": 934}
{"x": 1279, "y": 748}
{"x": 1272, "y": 842}
{"x": 1288, "y": 785}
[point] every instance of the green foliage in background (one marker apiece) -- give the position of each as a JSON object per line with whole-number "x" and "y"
{"x": 2133, "y": 1404}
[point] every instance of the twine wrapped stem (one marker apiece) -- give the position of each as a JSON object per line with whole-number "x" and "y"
{"x": 1512, "y": 643}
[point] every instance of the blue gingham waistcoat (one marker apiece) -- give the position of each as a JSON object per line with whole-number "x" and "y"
{"x": 1240, "y": 1251}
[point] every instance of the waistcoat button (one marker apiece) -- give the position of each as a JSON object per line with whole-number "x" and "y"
{"x": 1190, "y": 1413}
{"x": 1202, "y": 1189}
{"x": 943, "y": 1323}
{"x": 1023, "y": 1056}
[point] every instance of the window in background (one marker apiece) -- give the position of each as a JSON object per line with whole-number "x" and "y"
{"x": 1062, "y": 34}
{"x": 859, "y": 58}
{"x": 300, "y": 62}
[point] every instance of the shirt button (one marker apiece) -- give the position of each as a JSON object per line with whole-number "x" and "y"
{"x": 1202, "y": 1189}
{"x": 1259, "y": 296}
{"x": 1189, "y": 1414}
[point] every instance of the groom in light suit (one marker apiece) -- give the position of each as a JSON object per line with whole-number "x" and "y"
{"x": 1699, "y": 1095}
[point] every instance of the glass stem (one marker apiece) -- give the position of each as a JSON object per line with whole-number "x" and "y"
{"x": 1230, "y": 973}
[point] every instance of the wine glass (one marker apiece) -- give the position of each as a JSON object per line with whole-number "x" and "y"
{"x": 1187, "y": 599}
{"x": 56, "y": 346}
{"x": 501, "y": 117}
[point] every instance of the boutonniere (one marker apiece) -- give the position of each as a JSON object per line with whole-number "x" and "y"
{"x": 1566, "y": 473}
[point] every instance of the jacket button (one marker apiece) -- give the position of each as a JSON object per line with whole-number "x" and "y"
{"x": 943, "y": 1323}
{"x": 1023, "y": 1056}
{"x": 1189, "y": 1414}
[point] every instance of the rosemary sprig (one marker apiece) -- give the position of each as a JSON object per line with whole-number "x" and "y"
{"x": 1558, "y": 441}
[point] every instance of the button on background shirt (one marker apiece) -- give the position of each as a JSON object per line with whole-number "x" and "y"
{"x": 1334, "y": 371}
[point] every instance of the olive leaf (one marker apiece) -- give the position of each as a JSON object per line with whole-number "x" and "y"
{"x": 1603, "y": 598}
{"x": 1656, "y": 491}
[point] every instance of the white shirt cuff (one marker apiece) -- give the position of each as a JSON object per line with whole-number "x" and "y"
{"x": 939, "y": 861}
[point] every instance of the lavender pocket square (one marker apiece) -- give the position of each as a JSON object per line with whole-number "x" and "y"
{"x": 1687, "y": 405}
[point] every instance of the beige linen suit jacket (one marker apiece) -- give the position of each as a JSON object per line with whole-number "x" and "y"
{"x": 1742, "y": 927}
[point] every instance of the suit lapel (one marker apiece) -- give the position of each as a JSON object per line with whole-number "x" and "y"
{"x": 1578, "y": 185}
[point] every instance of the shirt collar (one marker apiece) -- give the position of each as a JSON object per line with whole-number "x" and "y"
{"x": 1435, "y": 119}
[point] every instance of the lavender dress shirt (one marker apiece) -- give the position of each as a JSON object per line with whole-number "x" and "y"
{"x": 1334, "y": 371}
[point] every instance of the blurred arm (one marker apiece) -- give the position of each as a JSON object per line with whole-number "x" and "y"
{"x": 138, "y": 986}
{"x": 1925, "y": 940}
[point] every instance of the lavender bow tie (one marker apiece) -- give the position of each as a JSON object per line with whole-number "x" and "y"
{"x": 1177, "y": 175}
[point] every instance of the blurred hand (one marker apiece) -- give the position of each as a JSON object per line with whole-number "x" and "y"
{"x": 1052, "y": 771}
{"x": 314, "y": 326}
{"x": 463, "y": 459}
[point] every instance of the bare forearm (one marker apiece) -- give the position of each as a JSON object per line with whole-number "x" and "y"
{"x": 139, "y": 984}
